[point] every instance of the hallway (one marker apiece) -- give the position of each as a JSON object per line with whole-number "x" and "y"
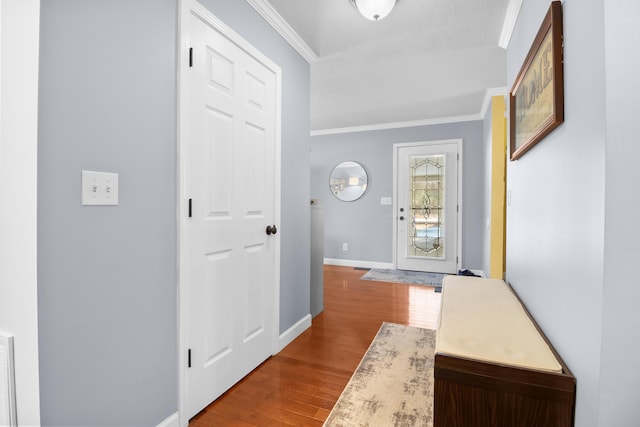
{"x": 300, "y": 385}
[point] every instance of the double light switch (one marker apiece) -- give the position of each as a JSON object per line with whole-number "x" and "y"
{"x": 99, "y": 188}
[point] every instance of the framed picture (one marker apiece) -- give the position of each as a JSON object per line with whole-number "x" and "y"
{"x": 537, "y": 97}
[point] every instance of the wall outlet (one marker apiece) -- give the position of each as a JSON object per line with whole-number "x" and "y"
{"x": 345, "y": 246}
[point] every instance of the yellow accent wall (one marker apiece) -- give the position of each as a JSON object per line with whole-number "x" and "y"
{"x": 498, "y": 187}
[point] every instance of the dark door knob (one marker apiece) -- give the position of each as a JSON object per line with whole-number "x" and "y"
{"x": 271, "y": 229}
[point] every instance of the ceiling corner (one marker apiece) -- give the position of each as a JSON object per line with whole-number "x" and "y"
{"x": 284, "y": 29}
{"x": 490, "y": 93}
{"x": 510, "y": 18}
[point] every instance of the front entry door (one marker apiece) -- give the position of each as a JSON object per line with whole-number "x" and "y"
{"x": 229, "y": 149}
{"x": 426, "y": 205}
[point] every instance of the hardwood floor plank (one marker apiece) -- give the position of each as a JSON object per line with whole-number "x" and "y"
{"x": 300, "y": 385}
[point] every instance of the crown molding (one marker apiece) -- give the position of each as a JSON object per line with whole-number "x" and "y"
{"x": 510, "y": 18}
{"x": 490, "y": 93}
{"x": 397, "y": 125}
{"x": 284, "y": 29}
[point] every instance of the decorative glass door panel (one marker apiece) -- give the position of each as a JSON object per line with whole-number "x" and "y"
{"x": 427, "y": 204}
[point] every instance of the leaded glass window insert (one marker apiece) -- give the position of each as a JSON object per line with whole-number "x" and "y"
{"x": 426, "y": 195}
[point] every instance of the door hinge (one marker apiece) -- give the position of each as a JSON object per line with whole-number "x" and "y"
{"x": 190, "y": 57}
{"x": 189, "y": 358}
{"x": 190, "y": 210}
{"x": 458, "y": 156}
{"x": 457, "y": 208}
{"x": 457, "y": 262}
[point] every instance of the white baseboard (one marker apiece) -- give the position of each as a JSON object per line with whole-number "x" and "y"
{"x": 478, "y": 272}
{"x": 293, "y": 332}
{"x": 283, "y": 340}
{"x": 172, "y": 420}
{"x": 373, "y": 264}
{"x": 356, "y": 263}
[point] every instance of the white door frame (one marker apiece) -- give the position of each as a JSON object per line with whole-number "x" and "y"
{"x": 397, "y": 147}
{"x": 20, "y": 38}
{"x": 188, "y": 8}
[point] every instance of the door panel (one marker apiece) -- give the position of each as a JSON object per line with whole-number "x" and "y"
{"x": 427, "y": 207}
{"x": 219, "y": 158}
{"x": 219, "y": 341}
{"x": 230, "y": 177}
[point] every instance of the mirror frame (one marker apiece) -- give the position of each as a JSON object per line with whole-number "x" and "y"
{"x": 348, "y": 181}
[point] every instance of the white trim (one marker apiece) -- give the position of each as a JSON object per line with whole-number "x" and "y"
{"x": 278, "y": 202}
{"x": 172, "y": 420}
{"x": 510, "y": 18}
{"x": 356, "y": 263}
{"x": 8, "y": 383}
{"x": 19, "y": 68}
{"x": 486, "y": 102}
{"x": 181, "y": 47}
{"x": 488, "y": 95}
{"x": 458, "y": 142}
{"x": 283, "y": 28}
{"x": 394, "y": 196}
{"x": 186, "y": 9}
{"x": 478, "y": 273}
{"x": 293, "y": 332}
{"x": 396, "y": 125}
{"x": 460, "y": 204}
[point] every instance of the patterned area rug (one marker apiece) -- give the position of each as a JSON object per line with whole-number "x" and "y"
{"x": 393, "y": 385}
{"x": 404, "y": 276}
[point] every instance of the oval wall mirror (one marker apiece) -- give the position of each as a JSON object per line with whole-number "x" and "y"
{"x": 348, "y": 181}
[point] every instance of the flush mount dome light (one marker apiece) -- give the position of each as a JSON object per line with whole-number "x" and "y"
{"x": 374, "y": 10}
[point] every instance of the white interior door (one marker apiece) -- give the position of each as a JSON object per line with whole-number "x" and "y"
{"x": 229, "y": 150}
{"x": 427, "y": 205}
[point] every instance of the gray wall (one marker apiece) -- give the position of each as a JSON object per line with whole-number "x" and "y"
{"x": 572, "y": 224}
{"x": 619, "y": 377}
{"x": 107, "y": 275}
{"x": 365, "y": 224}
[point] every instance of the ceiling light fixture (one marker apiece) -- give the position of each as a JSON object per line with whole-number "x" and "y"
{"x": 374, "y": 10}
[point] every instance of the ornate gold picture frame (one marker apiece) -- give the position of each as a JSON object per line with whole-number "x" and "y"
{"x": 537, "y": 95}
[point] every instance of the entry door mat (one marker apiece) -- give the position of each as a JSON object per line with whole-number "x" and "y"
{"x": 405, "y": 276}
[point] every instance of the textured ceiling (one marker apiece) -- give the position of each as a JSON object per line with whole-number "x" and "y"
{"x": 428, "y": 60}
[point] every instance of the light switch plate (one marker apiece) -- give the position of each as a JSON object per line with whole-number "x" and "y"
{"x": 99, "y": 188}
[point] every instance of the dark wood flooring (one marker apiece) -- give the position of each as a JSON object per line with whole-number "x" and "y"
{"x": 300, "y": 385}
